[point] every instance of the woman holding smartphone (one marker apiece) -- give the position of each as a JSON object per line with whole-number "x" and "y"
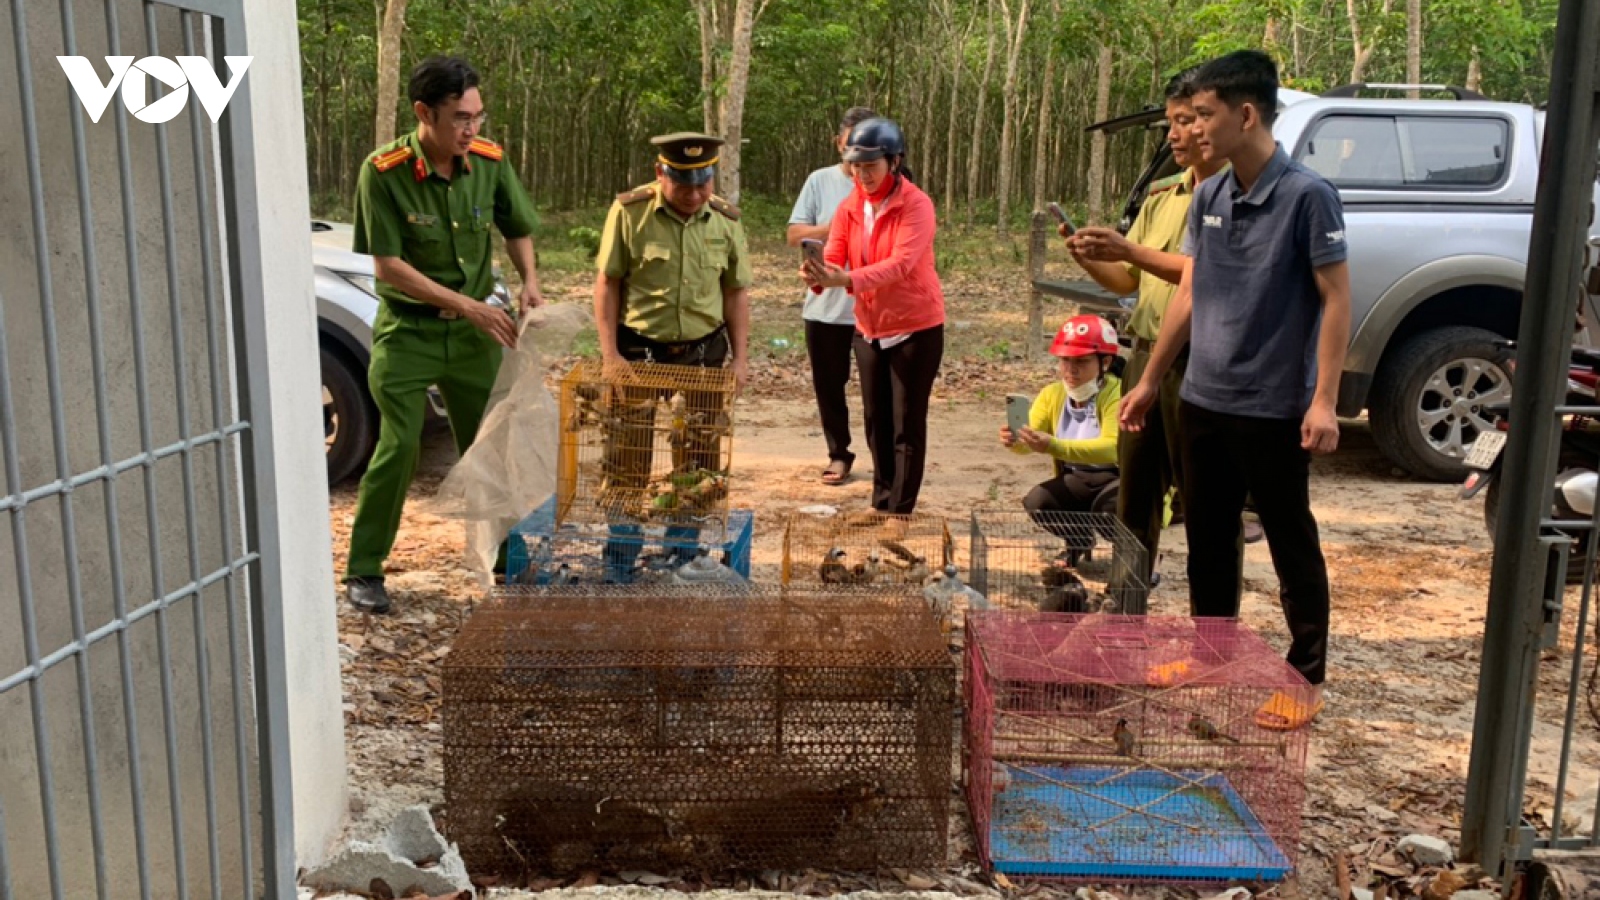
{"x": 1074, "y": 422}
{"x": 884, "y": 234}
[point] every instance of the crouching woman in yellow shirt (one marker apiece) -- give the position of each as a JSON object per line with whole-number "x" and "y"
{"x": 1074, "y": 422}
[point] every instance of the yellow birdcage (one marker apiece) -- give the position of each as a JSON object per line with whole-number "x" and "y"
{"x": 649, "y": 446}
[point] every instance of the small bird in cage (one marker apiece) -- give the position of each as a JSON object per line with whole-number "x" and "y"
{"x": 705, "y": 570}
{"x": 678, "y": 432}
{"x": 833, "y": 570}
{"x": 1123, "y": 736}
{"x": 653, "y": 568}
{"x": 867, "y": 572}
{"x": 1203, "y": 728}
{"x": 1064, "y": 590}
{"x": 563, "y": 576}
{"x": 919, "y": 573}
{"x": 586, "y": 410}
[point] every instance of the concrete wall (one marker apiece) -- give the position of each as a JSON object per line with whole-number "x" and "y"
{"x": 173, "y": 520}
{"x": 301, "y": 508}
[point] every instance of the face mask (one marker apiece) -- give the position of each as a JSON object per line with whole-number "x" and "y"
{"x": 1083, "y": 393}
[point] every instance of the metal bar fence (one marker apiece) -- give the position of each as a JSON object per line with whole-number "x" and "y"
{"x": 223, "y": 447}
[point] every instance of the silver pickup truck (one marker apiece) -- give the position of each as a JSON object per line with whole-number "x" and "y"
{"x": 1438, "y": 199}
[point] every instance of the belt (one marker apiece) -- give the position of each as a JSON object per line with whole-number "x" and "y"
{"x": 421, "y": 310}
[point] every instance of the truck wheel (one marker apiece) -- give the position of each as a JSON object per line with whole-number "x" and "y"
{"x": 350, "y": 421}
{"x": 1430, "y": 396}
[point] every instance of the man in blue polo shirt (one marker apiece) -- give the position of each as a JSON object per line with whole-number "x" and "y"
{"x": 1265, "y": 310}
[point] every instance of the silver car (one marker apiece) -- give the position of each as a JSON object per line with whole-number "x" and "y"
{"x": 347, "y": 303}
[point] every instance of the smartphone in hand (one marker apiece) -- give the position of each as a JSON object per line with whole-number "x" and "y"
{"x": 1061, "y": 216}
{"x": 811, "y": 251}
{"x": 1018, "y": 406}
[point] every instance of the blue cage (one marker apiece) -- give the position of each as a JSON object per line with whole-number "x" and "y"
{"x": 611, "y": 554}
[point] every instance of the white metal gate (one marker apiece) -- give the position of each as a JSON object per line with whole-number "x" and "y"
{"x": 142, "y": 703}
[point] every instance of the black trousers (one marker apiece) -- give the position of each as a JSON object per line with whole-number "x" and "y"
{"x": 895, "y": 386}
{"x": 1150, "y": 460}
{"x": 1072, "y": 490}
{"x": 1226, "y": 457}
{"x": 831, "y": 348}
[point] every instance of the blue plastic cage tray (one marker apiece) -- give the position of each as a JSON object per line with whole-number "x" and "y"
{"x": 1113, "y": 824}
{"x": 599, "y": 553}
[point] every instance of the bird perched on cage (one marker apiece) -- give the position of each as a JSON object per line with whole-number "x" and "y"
{"x": 999, "y": 777}
{"x": 833, "y": 570}
{"x": 1123, "y": 736}
{"x": 1202, "y": 728}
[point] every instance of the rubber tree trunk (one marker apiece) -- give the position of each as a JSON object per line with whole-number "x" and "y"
{"x": 975, "y": 159}
{"x": 1414, "y": 46}
{"x": 394, "y": 27}
{"x": 1097, "y": 143}
{"x": 733, "y": 100}
{"x": 1016, "y": 34}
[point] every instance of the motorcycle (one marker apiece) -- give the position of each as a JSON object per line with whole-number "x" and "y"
{"x": 1573, "y": 493}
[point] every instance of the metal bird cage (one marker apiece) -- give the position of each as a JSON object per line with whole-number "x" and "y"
{"x": 650, "y": 447}
{"x": 1130, "y": 748}
{"x": 712, "y": 728}
{"x": 1058, "y": 562}
{"x": 541, "y": 553}
{"x": 865, "y": 550}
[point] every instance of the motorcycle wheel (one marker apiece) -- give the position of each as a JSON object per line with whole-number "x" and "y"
{"x": 1491, "y": 516}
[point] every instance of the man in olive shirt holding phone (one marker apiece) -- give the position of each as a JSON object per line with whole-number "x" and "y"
{"x": 1149, "y": 260}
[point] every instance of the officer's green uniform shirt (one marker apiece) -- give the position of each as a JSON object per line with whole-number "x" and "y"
{"x": 440, "y": 226}
{"x": 1160, "y": 225}
{"x": 676, "y": 268}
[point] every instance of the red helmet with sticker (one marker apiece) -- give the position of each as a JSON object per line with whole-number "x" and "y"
{"x": 1085, "y": 335}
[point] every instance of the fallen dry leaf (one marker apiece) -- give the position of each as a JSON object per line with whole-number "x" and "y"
{"x": 1002, "y": 881}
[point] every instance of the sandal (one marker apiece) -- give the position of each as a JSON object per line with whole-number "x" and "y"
{"x": 837, "y": 472}
{"x": 1286, "y": 713}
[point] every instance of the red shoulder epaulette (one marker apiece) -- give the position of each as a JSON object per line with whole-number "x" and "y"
{"x": 487, "y": 149}
{"x": 393, "y": 158}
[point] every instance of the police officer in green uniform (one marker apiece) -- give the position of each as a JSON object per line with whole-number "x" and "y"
{"x": 424, "y": 207}
{"x": 673, "y": 282}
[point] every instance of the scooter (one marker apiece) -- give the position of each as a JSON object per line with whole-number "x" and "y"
{"x": 1573, "y": 493}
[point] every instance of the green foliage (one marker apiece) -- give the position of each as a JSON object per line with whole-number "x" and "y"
{"x": 587, "y": 238}
{"x": 575, "y": 88}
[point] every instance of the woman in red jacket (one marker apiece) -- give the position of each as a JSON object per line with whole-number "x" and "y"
{"x": 880, "y": 248}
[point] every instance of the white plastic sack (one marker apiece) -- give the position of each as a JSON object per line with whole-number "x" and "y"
{"x": 511, "y": 468}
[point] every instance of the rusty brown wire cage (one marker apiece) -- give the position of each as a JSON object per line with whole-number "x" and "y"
{"x": 708, "y": 728}
{"x": 650, "y": 447}
{"x": 865, "y": 549}
{"x": 1130, "y": 748}
{"x": 1058, "y": 562}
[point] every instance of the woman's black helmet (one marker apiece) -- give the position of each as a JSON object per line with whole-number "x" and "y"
{"x": 874, "y": 139}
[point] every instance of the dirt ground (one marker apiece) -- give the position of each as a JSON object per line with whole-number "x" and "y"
{"x": 1409, "y": 564}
